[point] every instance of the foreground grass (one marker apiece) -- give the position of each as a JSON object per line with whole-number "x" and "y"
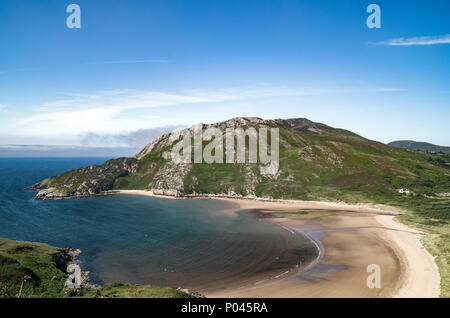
{"x": 28, "y": 270}
{"x": 30, "y": 266}
{"x": 119, "y": 290}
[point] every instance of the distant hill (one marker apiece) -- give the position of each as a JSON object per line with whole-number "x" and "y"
{"x": 416, "y": 145}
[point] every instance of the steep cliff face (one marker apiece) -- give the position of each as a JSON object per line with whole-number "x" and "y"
{"x": 315, "y": 162}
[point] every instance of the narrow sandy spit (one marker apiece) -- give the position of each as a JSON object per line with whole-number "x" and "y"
{"x": 353, "y": 237}
{"x": 422, "y": 276}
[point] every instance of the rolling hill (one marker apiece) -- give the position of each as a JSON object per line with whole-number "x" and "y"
{"x": 317, "y": 162}
{"x": 422, "y": 146}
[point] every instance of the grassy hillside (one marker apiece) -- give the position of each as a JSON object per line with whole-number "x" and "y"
{"x": 28, "y": 270}
{"x": 30, "y": 265}
{"x": 317, "y": 162}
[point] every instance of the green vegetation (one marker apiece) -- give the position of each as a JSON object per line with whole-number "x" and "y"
{"x": 28, "y": 270}
{"x": 437, "y": 242}
{"x": 215, "y": 178}
{"x": 317, "y": 162}
{"x": 31, "y": 266}
{"x": 145, "y": 172}
{"x": 119, "y": 290}
{"x": 423, "y": 146}
{"x": 88, "y": 180}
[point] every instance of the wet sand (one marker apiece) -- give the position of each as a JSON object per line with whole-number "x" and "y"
{"x": 350, "y": 237}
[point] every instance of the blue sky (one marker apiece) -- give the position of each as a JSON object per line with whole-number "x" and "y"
{"x": 138, "y": 65}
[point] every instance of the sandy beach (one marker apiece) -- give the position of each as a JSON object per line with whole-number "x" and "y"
{"x": 351, "y": 237}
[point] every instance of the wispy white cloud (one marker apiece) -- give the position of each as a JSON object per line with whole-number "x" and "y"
{"x": 115, "y": 112}
{"x": 422, "y": 40}
{"x": 138, "y": 138}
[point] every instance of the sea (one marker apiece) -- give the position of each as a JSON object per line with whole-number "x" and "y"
{"x": 192, "y": 243}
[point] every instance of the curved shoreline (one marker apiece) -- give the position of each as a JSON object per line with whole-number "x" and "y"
{"x": 418, "y": 261}
{"x": 417, "y": 275}
{"x": 318, "y": 246}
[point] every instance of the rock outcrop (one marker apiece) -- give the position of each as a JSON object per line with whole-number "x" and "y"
{"x": 65, "y": 260}
{"x": 85, "y": 182}
{"x": 316, "y": 162}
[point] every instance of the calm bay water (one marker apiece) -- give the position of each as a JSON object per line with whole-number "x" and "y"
{"x": 138, "y": 239}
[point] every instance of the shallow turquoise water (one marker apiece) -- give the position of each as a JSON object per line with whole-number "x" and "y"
{"x": 140, "y": 239}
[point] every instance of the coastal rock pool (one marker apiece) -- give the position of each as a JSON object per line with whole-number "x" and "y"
{"x": 194, "y": 243}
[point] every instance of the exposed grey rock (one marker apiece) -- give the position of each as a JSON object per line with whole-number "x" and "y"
{"x": 65, "y": 260}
